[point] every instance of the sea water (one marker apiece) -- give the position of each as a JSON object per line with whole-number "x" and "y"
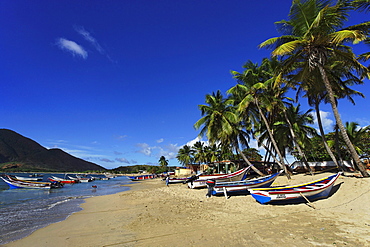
{"x": 23, "y": 211}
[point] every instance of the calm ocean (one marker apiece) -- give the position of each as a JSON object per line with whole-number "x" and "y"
{"x": 23, "y": 211}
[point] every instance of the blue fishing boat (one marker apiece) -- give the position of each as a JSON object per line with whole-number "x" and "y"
{"x": 241, "y": 187}
{"x": 16, "y": 183}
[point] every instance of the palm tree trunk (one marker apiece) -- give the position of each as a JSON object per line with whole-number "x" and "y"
{"x": 282, "y": 164}
{"x": 319, "y": 122}
{"x": 270, "y": 154}
{"x": 343, "y": 131}
{"x": 337, "y": 149}
{"x": 297, "y": 144}
{"x": 248, "y": 162}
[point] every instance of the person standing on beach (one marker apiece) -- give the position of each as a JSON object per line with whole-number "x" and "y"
{"x": 167, "y": 179}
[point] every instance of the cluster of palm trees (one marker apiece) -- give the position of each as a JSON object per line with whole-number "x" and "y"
{"x": 201, "y": 153}
{"x": 314, "y": 58}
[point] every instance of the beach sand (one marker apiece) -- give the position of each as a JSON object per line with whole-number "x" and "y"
{"x": 152, "y": 214}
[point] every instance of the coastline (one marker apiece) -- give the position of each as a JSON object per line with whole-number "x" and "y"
{"x": 152, "y": 214}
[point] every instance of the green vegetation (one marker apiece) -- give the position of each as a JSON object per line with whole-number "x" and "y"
{"x": 314, "y": 59}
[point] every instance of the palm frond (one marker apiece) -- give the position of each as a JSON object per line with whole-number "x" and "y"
{"x": 354, "y": 35}
{"x": 286, "y": 48}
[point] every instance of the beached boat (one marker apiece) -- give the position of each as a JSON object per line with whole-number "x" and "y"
{"x": 62, "y": 180}
{"x": 15, "y": 183}
{"x": 201, "y": 180}
{"x": 142, "y": 177}
{"x": 306, "y": 192}
{"x": 177, "y": 180}
{"x": 241, "y": 187}
{"x": 28, "y": 178}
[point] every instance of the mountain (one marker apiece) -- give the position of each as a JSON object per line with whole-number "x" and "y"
{"x": 20, "y": 153}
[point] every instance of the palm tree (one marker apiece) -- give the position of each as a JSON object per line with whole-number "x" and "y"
{"x": 163, "y": 162}
{"x": 314, "y": 91}
{"x": 313, "y": 37}
{"x": 221, "y": 124}
{"x": 251, "y": 91}
{"x": 185, "y": 155}
{"x": 294, "y": 126}
{"x": 356, "y": 135}
{"x": 199, "y": 152}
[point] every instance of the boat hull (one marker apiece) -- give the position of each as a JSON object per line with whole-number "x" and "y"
{"x": 29, "y": 178}
{"x": 241, "y": 187}
{"x": 16, "y": 184}
{"x": 61, "y": 180}
{"x": 142, "y": 177}
{"x": 297, "y": 193}
{"x": 201, "y": 182}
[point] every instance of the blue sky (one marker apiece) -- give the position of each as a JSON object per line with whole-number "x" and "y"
{"x": 119, "y": 82}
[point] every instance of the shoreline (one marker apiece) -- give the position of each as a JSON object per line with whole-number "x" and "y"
{"x": 152, "y": 214}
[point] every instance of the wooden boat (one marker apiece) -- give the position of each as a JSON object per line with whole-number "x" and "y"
{"x": 61, "y": 180}
{"x": 296, "y": 193}
{"x": 241, "y": 187}
{"x": 201, "y": 180}
{"x": 177, "y": 180}
{"x": 28, "y": 178}
{"x": 79, "y": 179}
{"x": 142, "y": 177}
{"x": 15, "y": 183}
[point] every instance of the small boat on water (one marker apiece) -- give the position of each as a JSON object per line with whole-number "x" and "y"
{"x": 16, "y": 183}
{"x": 62, "y": 180}
{"x": 201, "y": 180}
{"x": 28, "y": 178}
{"x": 241, "y": 187}
{"x": 142, "y": 177}
{"x": 79, "y": 179}
{"x": 306, "y": 192}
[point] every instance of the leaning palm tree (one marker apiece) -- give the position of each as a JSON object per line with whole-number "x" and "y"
{"x": 221, "y": 124}
{"x": 313, "y": 36}
{"x": 251, "y": 91}
{"x": 294, "y": 126}
{"x": 314, "y": 90}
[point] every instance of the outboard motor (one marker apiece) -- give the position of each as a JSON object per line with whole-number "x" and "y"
{"x": 210, "y": 184}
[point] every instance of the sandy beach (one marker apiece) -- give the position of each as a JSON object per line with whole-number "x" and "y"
{"x": 152, "y": 214}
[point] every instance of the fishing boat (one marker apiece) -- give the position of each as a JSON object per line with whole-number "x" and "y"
{"x": 79, "y": 179}
{"x": 306, "y": 192}
{"x": 15, "y": 183}
{"x": 177, "y": 180}
{"x": 62, "y": 180}
{"x": 84, "y": 179}
{"x": 241, "y": 187}
{"x": 201, "y": 180}
{"x": 142, "y": 177}
{"x": 28, "y": 178}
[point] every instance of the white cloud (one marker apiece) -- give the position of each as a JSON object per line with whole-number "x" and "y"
{"x": 72, "y": 47}
{"x": 144, "y": 149}
{"x": 160, "y": 140}
{"x": 197, "y": 139}
{"x": 87, "y": 36}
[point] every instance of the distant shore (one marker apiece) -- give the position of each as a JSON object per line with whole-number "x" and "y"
{"x": 152, "y": 214}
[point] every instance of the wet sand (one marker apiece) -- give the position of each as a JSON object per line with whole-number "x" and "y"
{"x": 152, "y": 214}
